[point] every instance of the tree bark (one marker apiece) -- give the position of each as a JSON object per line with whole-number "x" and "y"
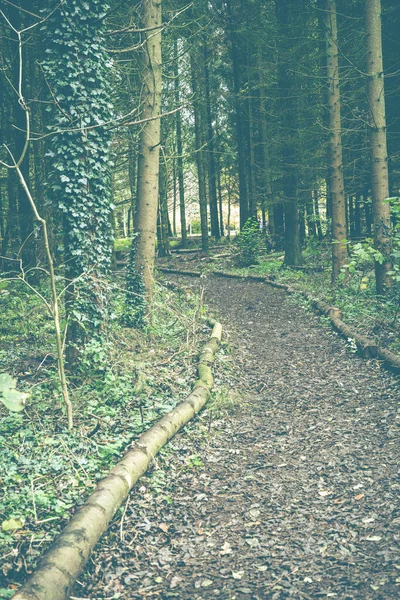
{"x": 199, "y": 142}
{"x": 179, "y": 149}
{"x": 378, "y": 145}
{"x": 149, "y": 146}
{"x": 339, "y": 246}
{"x": 212, "y": 186}
{"x": 286, "y": 85}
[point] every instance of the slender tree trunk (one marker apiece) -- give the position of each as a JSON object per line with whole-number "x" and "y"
{"x": 286, "y": 83}
{"x": 132, "y": 173}
{"x": 357, "y": 217}
{"x": 233, "y": 8}
{"x": 266, "y": 168}
{"x": 212, "y": 187}
{"x": 311, "y": 224}
{"x": 317, "y": 215}
{"x": 378, "y": 145}
{"x": 175, "y": 193}
{"x": 253, "y": 184}
{"x": 162, "y": 225}
{"x": 149, "y": 146}
{"x": 339, "y": 246}
{"x": 199, "y": 142}
{"x": 179, "y": 149}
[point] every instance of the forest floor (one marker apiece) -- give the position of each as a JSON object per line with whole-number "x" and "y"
{"x": 293, "y": 493}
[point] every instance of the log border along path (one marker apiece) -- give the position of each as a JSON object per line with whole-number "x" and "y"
{"x": 367, "y": 347}
{"x": 64, "y": 561}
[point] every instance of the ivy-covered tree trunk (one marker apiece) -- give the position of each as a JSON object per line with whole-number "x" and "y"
{"x": 76, "y": 69}
{"x": 141, "y": 261}
{"x": 378, "y": 145}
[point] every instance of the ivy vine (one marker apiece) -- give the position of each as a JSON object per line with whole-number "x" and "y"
{"x": 77, "y": 71}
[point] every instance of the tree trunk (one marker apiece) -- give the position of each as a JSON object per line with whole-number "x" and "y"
{"x": 212, "y": 187}
{"x": 198, "y": 126}
{"x": 149, "y": 146}
{"x": 162, "y": 226}
{"x": 179, "y": 149}
{"x": 339, "y": 246}
{"x": 233, "y": 9}
{"x": 378, "y": 145}
{"x": 286, "y": 83}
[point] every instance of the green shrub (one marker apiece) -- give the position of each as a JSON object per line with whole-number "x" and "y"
{"x": 248, "y": 242}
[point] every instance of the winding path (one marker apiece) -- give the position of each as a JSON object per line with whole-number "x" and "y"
{"x": 294, "y": 495}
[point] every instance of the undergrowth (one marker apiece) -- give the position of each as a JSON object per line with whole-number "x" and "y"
{"x": 123, "y": 385}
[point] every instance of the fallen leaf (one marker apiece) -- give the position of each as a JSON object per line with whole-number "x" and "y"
{"x": 374, "y": 538}
{"x": 359, "y": 496}
{"x": 226, "y": 549}
{"x": 12, "y": 524}
{"x": 237, "y": 574}
{"x": 164, "y": 527}
{"x": 253, "y": 542}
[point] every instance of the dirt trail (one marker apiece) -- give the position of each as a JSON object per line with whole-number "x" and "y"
{"x": 294, "y": 495}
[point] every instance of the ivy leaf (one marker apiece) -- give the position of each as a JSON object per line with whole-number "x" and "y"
{"x": 14, "y": 400}
{"x": 7, "y": 382}
{"x": 13, "y": 524}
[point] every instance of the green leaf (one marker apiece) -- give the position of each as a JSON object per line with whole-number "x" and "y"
{"x": 14, "y": 400}
{"x": 13, "y": 524}
{"x": 7, "y": 382}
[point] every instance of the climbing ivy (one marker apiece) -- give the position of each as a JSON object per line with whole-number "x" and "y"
{"x": 135, "y": 302}
{"x": 77, "y": 72}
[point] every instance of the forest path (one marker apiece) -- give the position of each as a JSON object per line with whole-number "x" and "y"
{"x": 298, "y": 492}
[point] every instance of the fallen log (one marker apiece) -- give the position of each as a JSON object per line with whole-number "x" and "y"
{"x": 65, "y": 559}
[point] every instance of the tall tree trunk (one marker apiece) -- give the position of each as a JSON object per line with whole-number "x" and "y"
{"x": 212, "y": 186}
{"x": 199, "y": 143}
{"x": 179, "y": 149}
{"x": 132, "y": 173}
{"x": 175, "y": 193}
{"x": 317, "y": 215}
{"x": 339, "y": 246}
{"x": 234, "y": 9}
{"x": 149, "y": 146}
{"x": 378, "y": 145}
{"x": 162, "y": 224}
{"x": 311, "y": 225}
{"x": 357, "y": 217}
{"x": 286, "y": 83}
{"x": 252, "y": 166}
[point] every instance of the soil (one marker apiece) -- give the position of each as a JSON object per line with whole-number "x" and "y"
{"x": 293, "y": 495}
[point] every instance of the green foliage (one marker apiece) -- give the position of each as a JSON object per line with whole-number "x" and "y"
{"x": 77, "y": 69}
{"x": 137, "y": 377}
{"x": 248, "y": 242}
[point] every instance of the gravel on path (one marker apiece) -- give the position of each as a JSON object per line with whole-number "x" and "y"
{"x": 294, "y": 495}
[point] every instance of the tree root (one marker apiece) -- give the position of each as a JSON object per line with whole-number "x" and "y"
{"x": 65, "y": 559}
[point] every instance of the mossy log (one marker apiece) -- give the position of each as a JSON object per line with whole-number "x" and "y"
{"x": 61, "y": 565}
